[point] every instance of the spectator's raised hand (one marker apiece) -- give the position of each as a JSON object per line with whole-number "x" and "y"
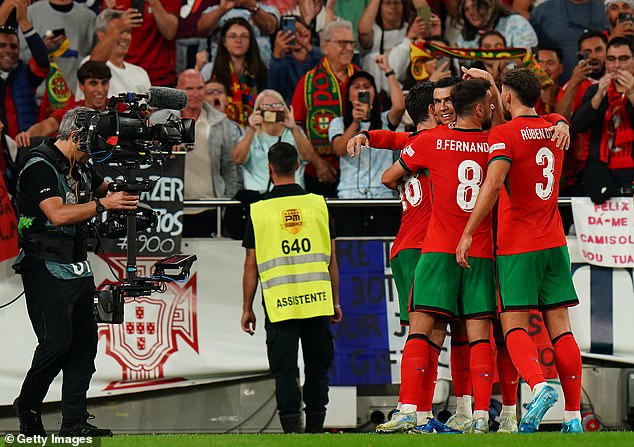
{"x": 255, "y": 119}
{"x": 360, "y": 111}
{"x": 416, "y": 29}
{"x": 302, "y": 35}
{"x": 381, "y": 61}
{"x": 226, "y": 5}
{"x": 289, "y": 118}
{"x": 307, "y": 10}
{"x": 581, "y": 71}
{"x": 282, "y": 44}
{"x": 20, "y": 10}
{"x": 356, "y": 143}
{"x": 131, "y": 18}
{"x": 604, "y": 83}
{"x": 201, "y": 59}
{"x": 624, "y": 29}
{"x": 625, "y": 80}
{"x": 52, "y": 43}
{"x": 440, "y": 69}
{"x": 435, "y": 26}
{"x": 23, "y": 139}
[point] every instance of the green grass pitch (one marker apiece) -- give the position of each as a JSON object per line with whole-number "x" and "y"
{"x": 604, "y": 439}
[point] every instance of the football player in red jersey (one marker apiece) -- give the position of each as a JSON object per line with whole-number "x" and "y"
{"x": 524, "y": 171}
{"x": 456, "y": 162}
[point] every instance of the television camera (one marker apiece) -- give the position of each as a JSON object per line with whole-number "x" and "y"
{"x": 122, "y": 135}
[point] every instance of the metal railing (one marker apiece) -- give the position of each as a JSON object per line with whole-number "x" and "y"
{"x": 223, "y": 203}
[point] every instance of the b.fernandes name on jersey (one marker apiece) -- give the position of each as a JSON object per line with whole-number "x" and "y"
{"x": 461, "y": 146}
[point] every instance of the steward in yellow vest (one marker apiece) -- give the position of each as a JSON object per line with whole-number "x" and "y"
{"x": 290, "y": 251}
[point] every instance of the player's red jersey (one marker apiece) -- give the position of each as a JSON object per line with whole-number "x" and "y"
{"x": 416, "y": 203}
{"x": 456, "y": 161}
{"x": 528, "y": 217}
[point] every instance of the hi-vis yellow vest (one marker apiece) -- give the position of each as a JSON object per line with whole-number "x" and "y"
{"x": 292, "y": 240}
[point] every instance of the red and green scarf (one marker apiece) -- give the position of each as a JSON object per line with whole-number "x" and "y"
{"x": 422, "y": 51}
{"x": 241, "y": 97}
{"x": 617, "y": 134}
{"x": 324, "y": 101}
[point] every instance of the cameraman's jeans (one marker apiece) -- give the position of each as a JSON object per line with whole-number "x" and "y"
{"x": 61, "y": 315}
{"x": 282, "y": 340}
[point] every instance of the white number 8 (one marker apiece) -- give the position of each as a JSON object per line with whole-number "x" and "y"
{"x": 470, "y": 177}
{"x": 545, "y": 157}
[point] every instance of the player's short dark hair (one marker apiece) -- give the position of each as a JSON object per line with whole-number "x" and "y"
{"x": 447, "y": 81}
{"x": 621, "y": 41}
{"x": 418, "y": 100}
{"x": 467, "y": 93}
{"x": 524, "y": 83}
{"x": 589, "y": 34}
{"x": 283, "y": 158}
{"x": 93, "y": 70}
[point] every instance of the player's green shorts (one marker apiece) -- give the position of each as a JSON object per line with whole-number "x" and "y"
{"x": 403, "y": 268}
{"x": 442, "y": 286}
{"x": 536, "y": 280}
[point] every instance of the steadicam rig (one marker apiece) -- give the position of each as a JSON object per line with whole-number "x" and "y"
{"x": 109, "y": 304}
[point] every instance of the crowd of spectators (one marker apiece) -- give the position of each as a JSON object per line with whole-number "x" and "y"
{"x": 251, "y": 82}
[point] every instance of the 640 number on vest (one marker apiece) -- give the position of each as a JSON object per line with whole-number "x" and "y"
{"x": 297, "y": 246}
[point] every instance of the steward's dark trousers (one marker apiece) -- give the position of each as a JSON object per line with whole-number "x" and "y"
{"x": 61, "y": 315}
{"x": 282, "y": 340}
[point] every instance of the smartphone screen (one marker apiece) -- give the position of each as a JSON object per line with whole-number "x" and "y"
{"x": 288, "y": 24}
{"x": 59, "y": 32}
{"x": 425, "y": 13}
{"x": 624, "y": 17}
{"x": 441, "y": 61}
{"x": 364, "y": 97}
{"x": 139, "y": 5}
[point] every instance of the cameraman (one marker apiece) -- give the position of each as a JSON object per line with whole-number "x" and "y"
{"x": 56, "y": 195}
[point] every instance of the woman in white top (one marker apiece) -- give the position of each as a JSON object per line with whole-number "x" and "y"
{"x": 382, "y": 26}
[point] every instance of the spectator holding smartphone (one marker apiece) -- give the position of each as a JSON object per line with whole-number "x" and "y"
{"x": 361, "y": 175}
{"x": 153, "y": 46}
{"x": 399, "y": 57}
{"x": 383, "y": 25}
{"x": 271, "y": 122}
{"x": 619, "y": 14}
{"x": 478, "y": 17}
{"x": 293, "y": 55}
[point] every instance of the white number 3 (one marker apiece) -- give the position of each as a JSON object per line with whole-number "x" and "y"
{"x": 545, "y": 157}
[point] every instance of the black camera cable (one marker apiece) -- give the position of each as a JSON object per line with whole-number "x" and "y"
{"x": 105, "y": 256}
{"x": 12, "y": 301}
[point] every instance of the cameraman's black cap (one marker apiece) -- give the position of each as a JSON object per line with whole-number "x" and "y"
{"x": 283, "y": 156}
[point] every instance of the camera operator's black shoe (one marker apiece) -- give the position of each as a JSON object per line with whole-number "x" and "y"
{"x": 30, "y": 420}
{"x": 83, "y": 428}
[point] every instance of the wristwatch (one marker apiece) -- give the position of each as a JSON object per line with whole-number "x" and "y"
{"x": 100, "y": 207}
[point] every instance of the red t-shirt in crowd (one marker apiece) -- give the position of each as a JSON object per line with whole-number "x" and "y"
{"x": 580, "y": 146}
{"x": 528, "y": 202}
{"x": 149, "y": 48}
{"x": 414, "y": 192}
{"x": 456, "y": 160}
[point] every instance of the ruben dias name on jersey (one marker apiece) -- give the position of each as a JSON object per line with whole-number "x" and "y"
{"x": 535, "y": 134}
